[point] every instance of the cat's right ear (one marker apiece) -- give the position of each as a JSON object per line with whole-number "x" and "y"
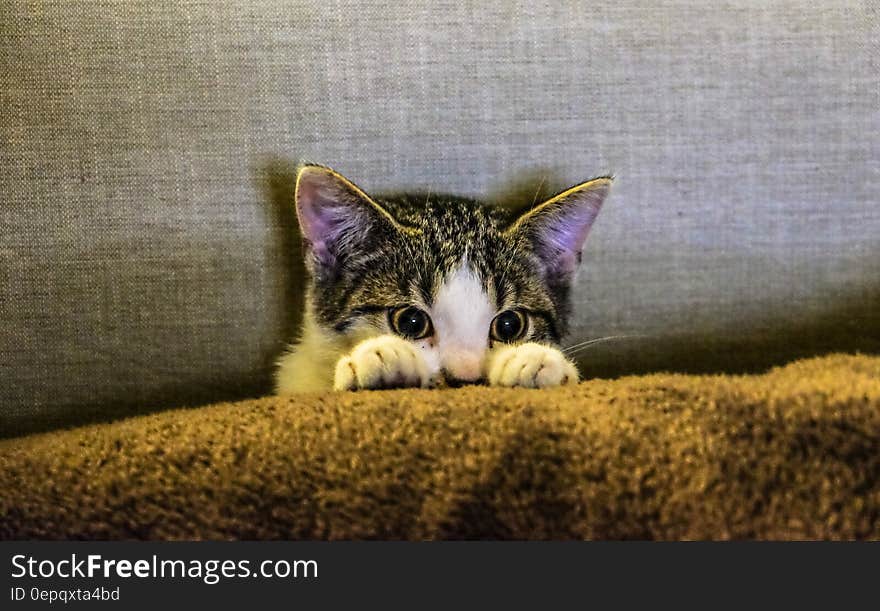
{"x": 336, "y": 218}
{"x": 558, "y": 227}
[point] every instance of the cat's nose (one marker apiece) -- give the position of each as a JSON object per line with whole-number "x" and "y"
{"x": 462, "y": 368}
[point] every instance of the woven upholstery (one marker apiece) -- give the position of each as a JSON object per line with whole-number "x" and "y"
{"x": 147, "y": 252}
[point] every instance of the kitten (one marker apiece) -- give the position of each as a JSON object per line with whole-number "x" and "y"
{"x": 404, "y": 292}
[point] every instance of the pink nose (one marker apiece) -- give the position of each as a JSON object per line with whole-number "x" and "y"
{"x": 463, "y": 366}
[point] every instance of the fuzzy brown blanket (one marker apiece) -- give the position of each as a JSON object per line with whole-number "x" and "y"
{"x": 791, "y": 454}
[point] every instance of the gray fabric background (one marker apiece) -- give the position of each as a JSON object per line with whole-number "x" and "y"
{"x": 147, "y": 253}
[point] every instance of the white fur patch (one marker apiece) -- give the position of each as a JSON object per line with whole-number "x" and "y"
{"x": 530, "y": 365}
{"x": 309, "y": 365}
{"x": 386, "y": 361}
{"x": 462, "y": 313}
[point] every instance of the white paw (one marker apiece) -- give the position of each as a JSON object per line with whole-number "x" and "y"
{"x": 386, "y": 361}
{"x": 531, "y": 366}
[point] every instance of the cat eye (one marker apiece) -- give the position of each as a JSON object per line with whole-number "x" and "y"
{"x": 410, "y": 322}
{"x": 508, "y": 326}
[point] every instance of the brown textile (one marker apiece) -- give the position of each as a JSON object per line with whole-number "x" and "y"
{"x": 791, "y": 454}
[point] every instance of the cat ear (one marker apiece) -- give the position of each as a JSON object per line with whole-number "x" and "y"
{"x": 336, "y": 218}
{"x": 558, "y": 227}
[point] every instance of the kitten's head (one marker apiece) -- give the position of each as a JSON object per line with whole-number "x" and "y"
{"x": 454, "y": 276}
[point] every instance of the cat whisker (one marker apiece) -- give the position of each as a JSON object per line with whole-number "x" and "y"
{"x": 578, "y": 348}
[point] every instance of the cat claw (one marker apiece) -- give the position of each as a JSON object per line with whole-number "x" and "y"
{"x": 531, "y": 365}
{"x": 382, "y": 362}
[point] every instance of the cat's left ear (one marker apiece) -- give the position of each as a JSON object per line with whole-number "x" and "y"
{"x": 558, "y": 228}
{"x": 336, "y": 218}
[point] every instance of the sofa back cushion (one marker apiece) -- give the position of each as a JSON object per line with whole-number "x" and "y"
{"x": 148, "y": 255}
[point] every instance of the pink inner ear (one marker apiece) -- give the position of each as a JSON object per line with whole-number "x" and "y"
{"x": 324, "y": 215}
{"x": 332, "y": 218}
{"x": 569, "y": 232}
{"x": 561, "y": 233}
{"x": 313, "y": 221}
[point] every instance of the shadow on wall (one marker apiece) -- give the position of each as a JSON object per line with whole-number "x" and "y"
{"x": 527, "y": 189}
{"x": 848, "y": 324}
{"x": 276, "y": 178}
